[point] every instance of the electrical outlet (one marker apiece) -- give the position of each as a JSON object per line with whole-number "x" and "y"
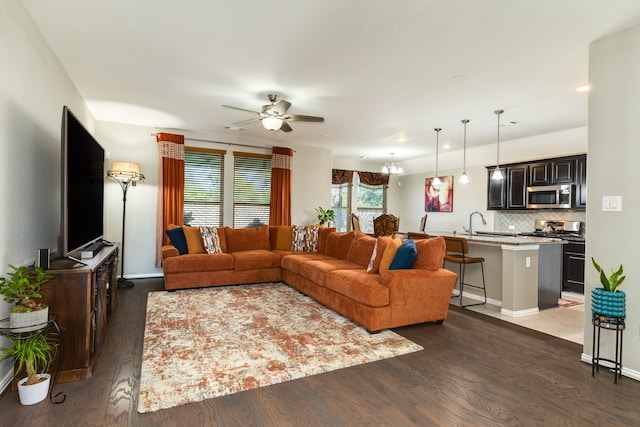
{"x": 527, "y": 262}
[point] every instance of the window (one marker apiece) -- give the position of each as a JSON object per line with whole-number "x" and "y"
{"x": 371, "y": 202}
{"x": 251, "y": 189}
{"x": 341, "y": 205}
{"x": 203, "y": 186}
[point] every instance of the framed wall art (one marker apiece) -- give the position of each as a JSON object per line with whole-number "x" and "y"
{"x": 438, "y": 198}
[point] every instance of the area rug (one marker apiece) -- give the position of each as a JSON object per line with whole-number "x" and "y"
{"x": 567, "y": 303}
{"x": 205, "y": 343}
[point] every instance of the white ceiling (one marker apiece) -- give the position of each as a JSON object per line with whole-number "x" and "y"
{"x": 378, "y": 71}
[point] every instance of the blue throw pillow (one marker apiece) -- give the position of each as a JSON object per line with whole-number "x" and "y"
{"x": 406, "y": 255}
{"x": 178, "y": 239}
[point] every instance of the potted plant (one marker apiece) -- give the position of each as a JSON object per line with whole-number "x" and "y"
{"x": 22, "y": 287}
{"x": 34, "y": 354}
{"x": 325, "y": 216}
{"x": 608, "y": 300}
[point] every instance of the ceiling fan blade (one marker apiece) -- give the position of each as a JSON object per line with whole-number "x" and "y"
{"x": 241, "y": 109}
{"x": 285, "y": 127}
{"x": 303, "y": 118}
{"x": 247, "y": 122}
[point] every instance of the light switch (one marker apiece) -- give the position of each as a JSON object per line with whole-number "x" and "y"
{"x": 611, "y": 203}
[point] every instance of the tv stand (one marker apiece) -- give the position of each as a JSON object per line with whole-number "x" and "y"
{"x": 83, "y": 297}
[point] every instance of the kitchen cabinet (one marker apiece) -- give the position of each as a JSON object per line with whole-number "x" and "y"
{"x": 511, "y": 192}
{"x": 496, "y": 192}
{"x": 540, "y": 173}
{"x": 573, "y": 267}
{"x": 517, "y": 187}
{"x": 581, "y": 182}
{"x": 563, "y": 171}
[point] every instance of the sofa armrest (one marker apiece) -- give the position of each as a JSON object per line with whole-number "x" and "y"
{"x": 169, "y": 251}
{"x": 416, "y": 293}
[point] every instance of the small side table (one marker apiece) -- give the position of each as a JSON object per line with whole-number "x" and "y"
{"x": 24, "y": 333}
{"x": 616, "y": 324}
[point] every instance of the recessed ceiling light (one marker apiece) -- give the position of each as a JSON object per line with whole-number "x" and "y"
{"x": 583, "y": 88}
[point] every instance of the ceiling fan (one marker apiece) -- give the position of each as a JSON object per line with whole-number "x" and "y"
{"x": 274, "y": 116}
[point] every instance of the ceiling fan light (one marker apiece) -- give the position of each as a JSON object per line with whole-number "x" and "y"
{"x": 272, "y": 123}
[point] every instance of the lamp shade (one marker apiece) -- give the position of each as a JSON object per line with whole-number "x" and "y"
{"x": 125, "y": 171}
{"x": 272, "y": 123}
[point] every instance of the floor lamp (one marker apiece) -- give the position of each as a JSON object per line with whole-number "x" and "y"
{"x": 126, "y": 174}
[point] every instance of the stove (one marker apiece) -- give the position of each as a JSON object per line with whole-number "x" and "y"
{"x": 568, "y": 230}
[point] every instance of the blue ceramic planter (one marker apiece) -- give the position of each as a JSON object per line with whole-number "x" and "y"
{"x": 610, "y": 304}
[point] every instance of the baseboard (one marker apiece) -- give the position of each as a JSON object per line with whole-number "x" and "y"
{"x": 144, "y": 276}
{"x": 519, "y": 313}
{"x": 630, "y": 373}
{"x": 5, "y": 383}
{"x": 479, "y": 298}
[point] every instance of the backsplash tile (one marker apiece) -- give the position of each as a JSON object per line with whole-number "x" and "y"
{"x": 524, "y": 220}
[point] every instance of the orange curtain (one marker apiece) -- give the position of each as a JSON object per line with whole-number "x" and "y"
{"x": 280, "y": 204}
{"x": 171, "y": 187}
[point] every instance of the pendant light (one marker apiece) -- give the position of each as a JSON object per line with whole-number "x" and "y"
{"x": 497, "y": 173}
{"x": 436, "y": 181}
{"x": 464, "y": 178}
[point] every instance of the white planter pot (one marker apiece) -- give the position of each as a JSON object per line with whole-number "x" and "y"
{"x": 24, "y": 322}
{"x": 32, "y": 394}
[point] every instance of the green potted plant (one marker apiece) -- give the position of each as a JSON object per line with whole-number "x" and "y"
{"x": 608, "y": 300}
{"x": 22, "y": 287}
{"x": 325, "y": 216}
{"x": 34, "y": 355}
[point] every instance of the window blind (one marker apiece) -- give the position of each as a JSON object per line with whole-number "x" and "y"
{"x": 203, "y": 187}
{"x": 251, "y": 189}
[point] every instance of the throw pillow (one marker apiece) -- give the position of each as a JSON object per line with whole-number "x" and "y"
{"x": 194, "y": 240}
{"x": 373, "y": 257}
{"x": 405, "y": 256}
{"x": 338, "y": 244}
{"x": 389, "y": 254}
{"x": 382, "y": 242}
{"x": 361, "y": 248}
{"x": 211, "y": 240}
{"x": 247, "y": 239}
{"x": 177, "y": 239}
{"x": 281, "y": 237}
{"x": 304, "y": 238}
{"x": 430, "y": 253}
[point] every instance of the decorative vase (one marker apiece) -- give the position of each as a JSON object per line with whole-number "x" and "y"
{"x": 29, "y": 321}
{"x": 32, "y": 394}
{"x": 609, "y": 304}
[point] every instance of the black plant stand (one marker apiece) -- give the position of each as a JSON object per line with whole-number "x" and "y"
{"x": 22, "y": 334}
{"x": 616, "y": 324}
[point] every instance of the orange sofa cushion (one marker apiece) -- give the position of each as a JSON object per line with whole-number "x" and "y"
{"x": 255, "y": 259}
{"x": 430, "y": 253}
{"x": 194, "y": 240}
{"x": 246, "y": 239}
{"x": 389, "y": 254}
{"x": 323, "y": 233}
{"x": 338, "y": 244}
{"x": 383, "y": 241}
{"x": 361, "y": 249}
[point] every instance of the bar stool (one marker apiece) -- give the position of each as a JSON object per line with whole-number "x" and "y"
{"x": 457, "y": 249}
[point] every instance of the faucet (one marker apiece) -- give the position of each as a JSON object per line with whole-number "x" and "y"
{"x": 470, "y": 229}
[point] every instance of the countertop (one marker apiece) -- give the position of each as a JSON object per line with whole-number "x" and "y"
{"x": 499, "y": 239}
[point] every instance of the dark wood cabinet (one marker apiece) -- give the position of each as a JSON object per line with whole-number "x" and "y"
{"x": 517, "y": 187}
{"x": 581, "y": 182}
{"x": 540, "y": 173}
{"x": 496, "y": 192}
{"x": 563, "y": 171}
{"x": 511, "y": 192}
{"x": 83, "y": 298}
{"x": 573, "y": 267}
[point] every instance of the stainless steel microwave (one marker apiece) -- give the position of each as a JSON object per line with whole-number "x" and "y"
{"x": 551, "y": 196}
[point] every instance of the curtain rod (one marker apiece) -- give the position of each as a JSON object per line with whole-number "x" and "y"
{"x": 226, "y": 143}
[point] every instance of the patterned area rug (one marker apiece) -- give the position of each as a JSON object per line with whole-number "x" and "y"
{"x": 567, "y": 303}
{"x": 205, "y": 343}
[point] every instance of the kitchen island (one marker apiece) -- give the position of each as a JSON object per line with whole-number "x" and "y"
{"x": 523, "y": 274}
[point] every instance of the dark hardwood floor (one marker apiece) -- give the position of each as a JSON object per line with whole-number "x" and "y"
{"x": 474, "y": 371}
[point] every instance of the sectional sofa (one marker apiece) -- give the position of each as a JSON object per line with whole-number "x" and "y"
{"x": 380, "y": 283}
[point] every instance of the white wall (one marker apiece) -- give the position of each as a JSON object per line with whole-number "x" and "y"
{"x": 33, "y": 89}
{"x": 614, "y": 107}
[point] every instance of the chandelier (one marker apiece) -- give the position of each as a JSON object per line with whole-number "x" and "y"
{"x": 391, "y": 166}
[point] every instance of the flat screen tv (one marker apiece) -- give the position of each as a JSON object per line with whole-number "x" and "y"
{"x": 82, "y": 186}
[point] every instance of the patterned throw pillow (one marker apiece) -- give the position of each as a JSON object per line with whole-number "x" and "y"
{"x": 305, "y": 239}
{"x": 373, "y": 257}
{"x": 211, "y": 239}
